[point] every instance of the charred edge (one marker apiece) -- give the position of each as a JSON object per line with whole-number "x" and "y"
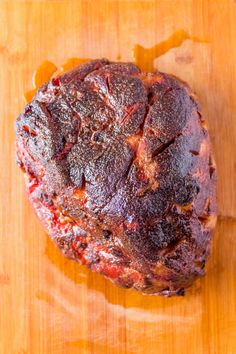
{"x": 107, "y": 234}
{"x": 200, "y": 264}
{"x": 172, "y": 245}
{"x": 141, "y": 127}
{"x": 208, "y": 206}
{"x": 21, "y": 165}
{"x": 83, "y": 183}
{"x": 200, "y": 117}
{"x": 180, "y": 292}
{"x": 203, "y": 219}
{"x": 164, "y": 147}
{"x": 150, "y": 98}
{"x": 211, "y": 171}
{"x": 108, "y": 83}
{"x": 194, "y": 152}
{"x": 129, "y": 166}
{"x": 83, "y": 245}
{"x": 169, "y": 90}
{"x": 211, "y": 167}
{"x": 65, "y": 151}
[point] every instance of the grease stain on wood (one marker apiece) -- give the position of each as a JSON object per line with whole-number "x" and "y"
{"x": 144, "y": 57}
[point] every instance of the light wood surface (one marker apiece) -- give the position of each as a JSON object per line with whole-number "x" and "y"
{"x": 51, "y": 305}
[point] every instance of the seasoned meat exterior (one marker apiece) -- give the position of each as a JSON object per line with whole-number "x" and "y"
{"x": 119, "y": 171}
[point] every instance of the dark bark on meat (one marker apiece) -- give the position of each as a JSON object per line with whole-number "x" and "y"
{"x": 119, "y": 170}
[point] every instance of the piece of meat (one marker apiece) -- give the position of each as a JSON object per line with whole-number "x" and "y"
{"x": 119, "y": 171}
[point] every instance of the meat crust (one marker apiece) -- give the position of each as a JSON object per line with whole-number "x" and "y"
{"x": 119, "y": 170}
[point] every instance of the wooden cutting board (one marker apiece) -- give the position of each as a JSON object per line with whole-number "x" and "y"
{"x": 51, "y": 305}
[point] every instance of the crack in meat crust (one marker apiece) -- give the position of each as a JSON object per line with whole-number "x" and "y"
{"x": 119, "y": 170}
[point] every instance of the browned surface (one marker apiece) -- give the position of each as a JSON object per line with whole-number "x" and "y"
{"x": 120, "y": 173}
{"x": 51, "y": 305}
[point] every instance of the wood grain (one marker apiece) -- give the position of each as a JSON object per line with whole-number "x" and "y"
{"x": 51, "y": 305}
